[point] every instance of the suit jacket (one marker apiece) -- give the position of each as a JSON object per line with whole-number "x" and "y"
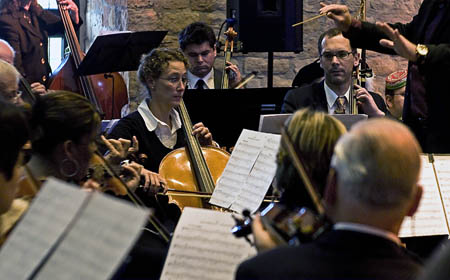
{"x": 314, "y": 97}
{"x": 432, "y": 132}
{"x": 30, "y": 41}
{"x": 338, "y": 254}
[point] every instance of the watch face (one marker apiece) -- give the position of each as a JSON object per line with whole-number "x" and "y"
{"x": 422, "y": 49}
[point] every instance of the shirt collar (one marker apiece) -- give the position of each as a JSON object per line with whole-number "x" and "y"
{"x": 208, "y": 79}
{"x": 368, "y": 230}
{"x": 151, "y": 122}
{"x": 332, "y": 96}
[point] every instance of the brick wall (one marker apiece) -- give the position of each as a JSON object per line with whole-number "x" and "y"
{"x": 174, "y": 15}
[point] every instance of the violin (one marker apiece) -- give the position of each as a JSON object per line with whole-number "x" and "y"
{"x": 100, "y": 171}
{"x": 287, "y": 226}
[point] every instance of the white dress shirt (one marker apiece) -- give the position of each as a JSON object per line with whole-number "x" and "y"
{"x": 208, "y": 79}
{"x": 167, "y": 136}
{"x": 369, "y": 230}
{"x": 332, "y": 97}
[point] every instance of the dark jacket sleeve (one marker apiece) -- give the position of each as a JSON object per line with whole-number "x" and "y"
{"x": 9, "y": 33}
{"x": 289, "y": 102}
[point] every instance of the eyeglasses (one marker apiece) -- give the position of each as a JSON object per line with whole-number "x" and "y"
{"x": 339, "y": 55}
{"x": 176, "y": 79}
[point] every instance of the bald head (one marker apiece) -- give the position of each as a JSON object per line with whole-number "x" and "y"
{"x": 378, "y": 164}
{"x": 6, "y": 52}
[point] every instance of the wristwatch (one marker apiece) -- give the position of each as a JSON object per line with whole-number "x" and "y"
{"x": 421, "y": 53}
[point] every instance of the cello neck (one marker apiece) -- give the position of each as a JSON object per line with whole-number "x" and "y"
{"x": 201, "y": 170}
{"x": 85, "y": 83}
{"x": 229, "y": 46}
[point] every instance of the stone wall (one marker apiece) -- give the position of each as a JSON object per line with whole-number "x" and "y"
{"x": 174, "y": 15}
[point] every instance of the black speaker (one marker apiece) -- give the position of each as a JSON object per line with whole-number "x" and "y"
{"x": 266, "y": 25}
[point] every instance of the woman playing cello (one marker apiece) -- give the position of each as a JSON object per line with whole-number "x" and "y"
{"x": 156, "y": 123}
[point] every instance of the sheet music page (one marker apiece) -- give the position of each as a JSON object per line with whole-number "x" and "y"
{"x": 94, "y": 247}
{"x": 243, "y": 158}
{"x": 429, "y": 218}
{"x": 442, "y": 166}
{"x": 260, "y": 177}
{"x": 204, "y": 248}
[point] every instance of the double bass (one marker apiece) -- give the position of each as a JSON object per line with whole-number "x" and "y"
{"x": 107, "y": 92}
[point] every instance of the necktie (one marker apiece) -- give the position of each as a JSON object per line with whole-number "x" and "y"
{"x": 340, "y": 105}
{"x": 200, "y": 84}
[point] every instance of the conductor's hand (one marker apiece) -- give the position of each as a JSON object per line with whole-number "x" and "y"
{"x": 73, "y": 8}
{"x": 397, "y": 42}
{"x": 203, "y": 134}
{"x": 263, "y": 239}
{"x": 235, "y": 74}
{"x": 366, "y": 103}
{"x": 339, "y": 14}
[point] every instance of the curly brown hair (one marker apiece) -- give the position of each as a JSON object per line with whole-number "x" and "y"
{"x": 156, "y": 62}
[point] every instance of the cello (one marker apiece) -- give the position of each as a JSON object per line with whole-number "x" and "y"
{"x": 192, "y": 168}
{"x": 228, "y": 50}
{"x": 107, "y": 96}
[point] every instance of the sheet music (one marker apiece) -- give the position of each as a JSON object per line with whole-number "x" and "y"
{"x": 429, "y": 218}
{"x": 260, "y": 177}
{"x": 204, "y": 248}
{"x": 248, "y": 173}
{"x": 94, "y": 247}
{"x": 442, "y": 167}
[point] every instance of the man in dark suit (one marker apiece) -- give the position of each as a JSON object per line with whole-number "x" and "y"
{"x": 372, "y": 186}
{"x": 425, "y": 43}
{"x": 25, "y": 25}
{"x": 198, "y": 43}
{"x": 337, "y": 59}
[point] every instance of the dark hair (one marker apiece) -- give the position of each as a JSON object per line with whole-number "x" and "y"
{"x": 59, "y": 116}
{"x": 14, "y": 133}
{"x": 196, "y": 33}
{"x": 156, "y": 61}
{"x": 330, "y": 33}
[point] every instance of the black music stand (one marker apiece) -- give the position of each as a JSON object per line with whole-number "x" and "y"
{"x": 119, "y": 51}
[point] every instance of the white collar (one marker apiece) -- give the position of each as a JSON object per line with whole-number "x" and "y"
{"x": 332, "y": 96}
{"x": 151, "y": 122}
{"x": 208, "y": 79}
{"x": 369, "y": 230}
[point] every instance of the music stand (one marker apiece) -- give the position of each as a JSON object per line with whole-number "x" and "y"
{"x": 119, "y": 52}
{"x": 272, "y": 123}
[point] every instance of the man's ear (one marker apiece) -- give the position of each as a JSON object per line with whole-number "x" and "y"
{"x": 356, "y": 59}
{"x": 415, "y": 201}
{"x": 389, "y": 100}
{"x": 330, "y": 192}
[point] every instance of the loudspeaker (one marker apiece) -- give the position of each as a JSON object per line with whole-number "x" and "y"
{"x": 266, "y": 25}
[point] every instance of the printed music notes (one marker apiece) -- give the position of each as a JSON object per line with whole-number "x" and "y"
{"x": 203, "y": 246}
{"x": 68, "y": 233}
{"x": 248, "y": 173}
{"x": 433, "y": 213}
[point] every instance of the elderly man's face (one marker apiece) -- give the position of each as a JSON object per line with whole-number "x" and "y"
{"x": 11, "y": 90}
{"x": 6, "y": 54}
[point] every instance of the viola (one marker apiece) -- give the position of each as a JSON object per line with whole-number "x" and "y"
{"x": 107, "y": 95}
